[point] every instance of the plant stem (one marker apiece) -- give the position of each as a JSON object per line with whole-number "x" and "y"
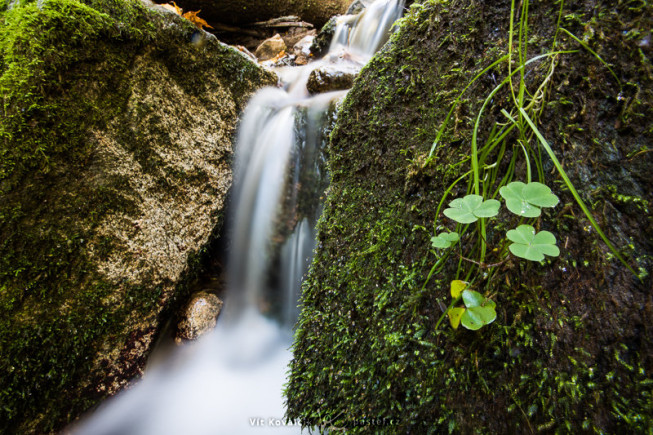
{"x": 573, "y": 191}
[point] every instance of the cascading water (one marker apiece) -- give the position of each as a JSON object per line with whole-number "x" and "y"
{"x": 231, "y": 381}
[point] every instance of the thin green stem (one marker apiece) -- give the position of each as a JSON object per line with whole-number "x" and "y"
{"x": 573, "y": 191}
{"x": 586, "y": 47}
{"x": 528, "y": 163}
{"x": 453, "y": 304}
{"x": 555, "y": 37}
{"x": 455, "y": 103}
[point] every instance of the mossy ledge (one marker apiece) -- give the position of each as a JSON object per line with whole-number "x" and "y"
{"x": 115, "y": 146}
{"x": 570, "y": 351}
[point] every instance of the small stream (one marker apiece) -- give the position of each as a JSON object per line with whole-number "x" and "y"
{"x": 231, "y": 381}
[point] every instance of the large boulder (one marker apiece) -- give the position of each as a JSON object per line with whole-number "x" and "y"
{"x": 116, "y": 141}
{"x": 571, "y": 348}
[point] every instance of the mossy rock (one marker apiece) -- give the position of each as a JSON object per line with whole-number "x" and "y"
{"x": 115, "y": 149}
{"x": 570, "y": 350}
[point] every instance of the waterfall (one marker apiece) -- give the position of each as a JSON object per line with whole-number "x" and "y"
{"x": 231, "y": 381}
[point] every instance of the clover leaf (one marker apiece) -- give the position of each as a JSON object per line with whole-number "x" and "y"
{"x": 478, "y": 311}
{"x": 444, "y": 240}
{"x": 476, "y": 317}
{"x": 454, "y": 316}
{"x": 470, "y": 208}
{"x": 472, "y": 298}
{"x": 527, "y": 199}
{"x": 457, "y": 287}
{"x": 531, "y": 246}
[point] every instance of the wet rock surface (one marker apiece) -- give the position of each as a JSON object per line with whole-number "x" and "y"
{"x": 332, "y": 78}
{"x": 199, "y": 316}
{"x": 270, "y": 48}
{"x": 322, "y": 41}
{"x": 569, "y": 330}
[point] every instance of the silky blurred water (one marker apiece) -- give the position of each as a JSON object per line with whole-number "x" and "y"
{"x": 231, "y": 380}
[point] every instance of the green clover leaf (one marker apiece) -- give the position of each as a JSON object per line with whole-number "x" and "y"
{"x": 531, "y": 246}
{"x": 473, "y": 298}
{"x": 477, "y": 312}
{"x": 480, "y": 310}
{"x": 444, "y": 240}
{"x": 470, "y": 208}
{"x": 476, "y": 317}
{"x": 527, "y": 199}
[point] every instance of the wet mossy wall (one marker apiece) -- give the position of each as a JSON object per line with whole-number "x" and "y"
{"x": 570, "y": 351}
{"x": 115, "y": 145}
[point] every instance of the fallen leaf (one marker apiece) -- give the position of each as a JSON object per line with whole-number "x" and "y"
{"x": 193, "y": 18}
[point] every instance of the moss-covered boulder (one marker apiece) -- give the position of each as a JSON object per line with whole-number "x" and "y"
{"x": 570, "y": 350}
{"x": 115, "y": 145}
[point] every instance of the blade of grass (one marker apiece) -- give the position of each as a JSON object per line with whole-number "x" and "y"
{"x": 457, "y": 100}
{"x": 586, "y": 47}
{"x": 444, "y": 197}
{"x": 573, "y": 191}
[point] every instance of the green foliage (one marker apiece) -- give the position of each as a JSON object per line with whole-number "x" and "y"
{"x": 523, "y": 200}
{"x": 477, "y": 312}
{"x": 480, "y": 310}
{"x": 470, "y": 208}
{"x": 527, "y": 199}
{"x": 366, "y": 344}
{"x": 444, "y": 240}
{"x": 531, "y": 245}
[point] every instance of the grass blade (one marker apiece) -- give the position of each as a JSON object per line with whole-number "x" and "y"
{"x": 573, "y": 191}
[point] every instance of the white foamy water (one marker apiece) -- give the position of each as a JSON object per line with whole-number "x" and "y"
{"x": 231, "y": 380}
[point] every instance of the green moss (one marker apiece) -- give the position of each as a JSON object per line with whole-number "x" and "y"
{"x": 66, "y": 73}
{"x": 365, "y": 344}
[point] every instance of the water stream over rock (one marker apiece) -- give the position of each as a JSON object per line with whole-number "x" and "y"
{"x": 231, "y": 381}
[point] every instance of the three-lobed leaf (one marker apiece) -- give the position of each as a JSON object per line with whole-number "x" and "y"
{"x": 470, "y": 208}
{"x": 527, "y": 199}
{"x": 531, "y": 245}
{"x": 444, "y": 240}
{"x": 478, "y": 311}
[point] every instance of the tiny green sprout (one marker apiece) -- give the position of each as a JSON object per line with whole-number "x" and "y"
{"x": 527, "y": 199}
{"x": 470, "y": 208}
{"x": 531, "y": 246}
{"x": 477, "y": 312}
{"x": 444, "y": 240}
